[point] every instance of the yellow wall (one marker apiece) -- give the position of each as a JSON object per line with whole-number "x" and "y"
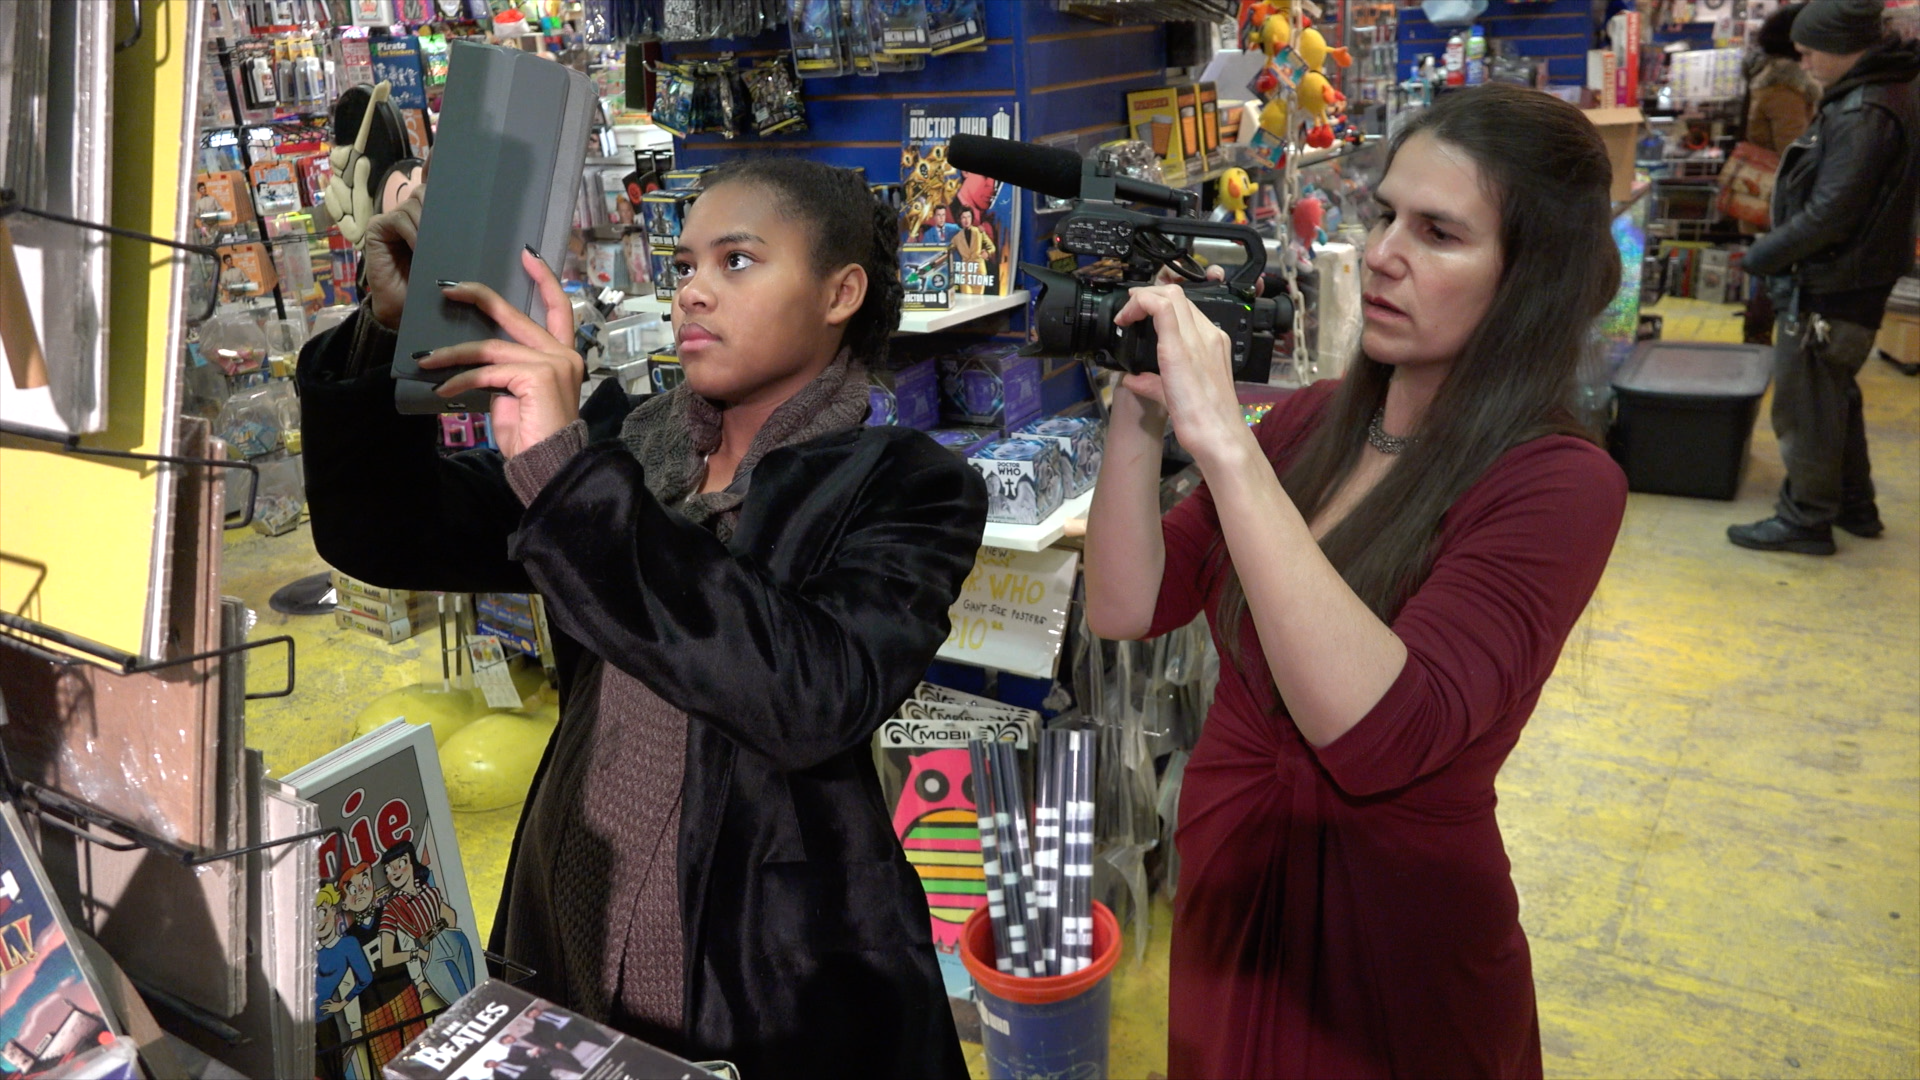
{"x": 77, "y": 535}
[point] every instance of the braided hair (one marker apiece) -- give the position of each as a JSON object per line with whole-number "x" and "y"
{"x": 849, "y": 224}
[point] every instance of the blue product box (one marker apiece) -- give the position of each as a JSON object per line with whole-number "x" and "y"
{"x": 993, "y": 386}
{"x": 1080, "y": 440}
{"x": 1063, "y": 385}
{"x": 1025, "y": 479}
{"x": 905, "y": 394}
{"x": 963, "y": 440}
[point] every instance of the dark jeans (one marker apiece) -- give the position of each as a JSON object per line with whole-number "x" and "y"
{"x": 1816, "y": 414}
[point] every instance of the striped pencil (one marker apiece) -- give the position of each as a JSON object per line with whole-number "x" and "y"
{"x": 1077, "y": 933}
{"x": 1046, "y": 855}
{"x": 990, "y": 855}
{"x": 1003, "y": 765}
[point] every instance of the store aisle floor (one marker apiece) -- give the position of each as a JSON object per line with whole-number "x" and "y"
{"x": 1714, "y": 817}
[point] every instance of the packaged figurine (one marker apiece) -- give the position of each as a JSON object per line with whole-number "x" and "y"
{"x": 905, "y": 27}
{"x": 925, "y": 271}
{"x": 775, "y": 94}
{"x": 1024, "y": 479}
{"x": 953, "y": 25}
{"x": 815, "y": 28}
{"x": 993, "y": 386}
{"x": 1080, "y": 441}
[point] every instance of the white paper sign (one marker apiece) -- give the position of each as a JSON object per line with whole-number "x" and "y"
{"x": 1012, "y": 611}
{"x": 490, "y": 671}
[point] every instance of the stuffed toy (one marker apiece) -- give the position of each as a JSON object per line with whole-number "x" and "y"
{"x": 1235, "y": 188}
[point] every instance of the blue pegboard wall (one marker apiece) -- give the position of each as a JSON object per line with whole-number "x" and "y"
{"x": 1557, "y": 31}
{"x": 1068, "y": 74}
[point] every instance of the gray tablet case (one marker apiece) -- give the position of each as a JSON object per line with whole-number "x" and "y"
{"x": 507, "y": 163}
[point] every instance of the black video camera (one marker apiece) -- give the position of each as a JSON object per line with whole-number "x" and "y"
{"x": 1075, "y": 316}
{"x": 1074, "y": 313}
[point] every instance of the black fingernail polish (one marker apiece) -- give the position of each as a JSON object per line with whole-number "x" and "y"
{"x": 445, "y": 284}
{"x": 423, "y": 353}
{"x": 534, "y": 253}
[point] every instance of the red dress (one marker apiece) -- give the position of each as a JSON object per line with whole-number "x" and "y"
{"x": 1348, "y": 911}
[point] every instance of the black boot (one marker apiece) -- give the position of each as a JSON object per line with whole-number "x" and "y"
{"x": 1774, "y": 534}
{"x": 1863, "y": 522}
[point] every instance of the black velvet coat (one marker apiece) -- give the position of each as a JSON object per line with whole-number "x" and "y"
{"x": 807, "y": 940}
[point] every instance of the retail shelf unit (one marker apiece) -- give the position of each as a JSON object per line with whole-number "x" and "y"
{"x": 965, "y": 309}
{"x": 1067, "y": 74}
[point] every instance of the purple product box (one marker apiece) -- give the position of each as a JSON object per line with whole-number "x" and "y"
{"x": 1025, "y": 479}
{"x": 1081, "y": 442}
{"x": 963, "y": 440}
{"x": 993, "y": 386}
{"x": 907, "y": 395}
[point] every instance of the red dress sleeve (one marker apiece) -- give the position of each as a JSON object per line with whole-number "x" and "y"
{"x": 1191, "y": 530}
{"x": 1520, "y": 556}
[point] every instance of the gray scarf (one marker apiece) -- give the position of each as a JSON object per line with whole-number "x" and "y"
{"x": 671, "y": 435}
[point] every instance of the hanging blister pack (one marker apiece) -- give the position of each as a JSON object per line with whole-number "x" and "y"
{"x": 864, "y": 50}
{"x": 904, "y": 32}
{"x": 815, "y": 30}
{"x": 775, "y": 94}
{"x": 673, "y": 99}
{"x": 953, "y": 25}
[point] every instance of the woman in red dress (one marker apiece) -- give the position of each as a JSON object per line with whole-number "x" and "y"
{"x": 1391, "y": 565}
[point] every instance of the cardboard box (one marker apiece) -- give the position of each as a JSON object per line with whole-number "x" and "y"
{"x": 1620, "y": 130}
{"x": 963, "y": 440}
{"x": 344, "y": 584}
{"x": 1081, "y": 442}
{"x": 1187, "y": 100}
{"x": 665, "y": 212}
{"x": 665, "y": 281}
{"x": 1153, "y": 116}
{"x": 415, "y": 609}
{"x": 906, "y": 394}
{"x": 1025, "y": 479}
{"x": 1210, "y": 141}
{"x": 992, "y": 386}
{"x": 1900, "y": 336}
{"x": 389, "y": 631}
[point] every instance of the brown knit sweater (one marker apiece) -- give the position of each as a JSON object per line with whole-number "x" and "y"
{"x": 613, "y": 863}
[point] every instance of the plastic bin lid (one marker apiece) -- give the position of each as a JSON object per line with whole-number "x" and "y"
{"x": 1696, "y": 369}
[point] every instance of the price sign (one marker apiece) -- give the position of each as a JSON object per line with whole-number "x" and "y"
{"x": 1012, "y": 611}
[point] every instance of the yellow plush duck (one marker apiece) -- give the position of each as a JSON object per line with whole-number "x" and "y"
{"x": 1317, "y": 96}
{"x": 1235, "y": 189}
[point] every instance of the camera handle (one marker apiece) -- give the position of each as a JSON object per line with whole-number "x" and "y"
{"x": 1245, "y": 278}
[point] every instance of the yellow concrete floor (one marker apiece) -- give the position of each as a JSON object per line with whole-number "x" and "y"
{"x": 1714, "y": 817}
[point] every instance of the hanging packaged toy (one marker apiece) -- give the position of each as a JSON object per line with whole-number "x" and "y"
{"x": 953, "y": 25}
{"x": 673, "y": 100}
{"x": 815, "y": 31}
{"x": 775, "y": 94}
{"x": 905, "y": 30}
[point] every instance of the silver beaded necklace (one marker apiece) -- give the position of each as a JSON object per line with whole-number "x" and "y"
{"x": 1378, "y": 438}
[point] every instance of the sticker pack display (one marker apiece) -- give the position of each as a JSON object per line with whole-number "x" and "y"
{"x": 970, "y": 214}
{"x": 1025, "y": 479}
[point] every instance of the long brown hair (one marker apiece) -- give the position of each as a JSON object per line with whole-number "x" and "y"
{"x": 1515, "y": 378}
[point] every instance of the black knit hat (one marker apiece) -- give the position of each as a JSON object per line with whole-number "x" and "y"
{"x": 1840, "y": 26}
{"x": 1776, "y": 34}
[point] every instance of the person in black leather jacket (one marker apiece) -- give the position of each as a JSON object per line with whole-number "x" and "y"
{"x": 1843, "y": 208}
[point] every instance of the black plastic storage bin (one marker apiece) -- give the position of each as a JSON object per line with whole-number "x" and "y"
{"x": 1683, "y": 416}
